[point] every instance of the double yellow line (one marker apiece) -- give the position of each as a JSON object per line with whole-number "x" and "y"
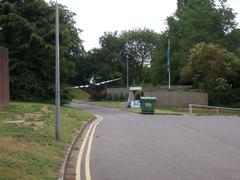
{"x": 89, "y": 135}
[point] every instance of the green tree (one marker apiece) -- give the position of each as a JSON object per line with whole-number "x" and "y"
{"x": 29, "y": 33}
{"x": 105, "y": 62}
{"x": 233, "y": 42}
{"x": 111, "y": 49}
{"x": 194, "y": 22}
{"x": 158, "y": 71}
{"x": 212, "y": 69}
{"x": 181, "y": 3}
{"x": 110, "y": 60}
{"x": 138, "y": 48}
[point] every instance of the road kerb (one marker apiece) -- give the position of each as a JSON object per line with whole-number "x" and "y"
{"x": 82, "y": 146}
{"x": 62, "y": 172}
{"x": 79, "y": 159}
{"x": 87, "y": 160}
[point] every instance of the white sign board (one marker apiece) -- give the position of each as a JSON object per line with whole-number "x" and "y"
{"x": 135, "y": 88}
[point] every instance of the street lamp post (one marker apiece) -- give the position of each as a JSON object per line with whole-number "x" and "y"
{"x": 126, "y": 53}
{"x": 57, "y": 79}
{"x": 168, "y": 65}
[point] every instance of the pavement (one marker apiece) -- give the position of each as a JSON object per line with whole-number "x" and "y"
{"x": 129, "y": 146}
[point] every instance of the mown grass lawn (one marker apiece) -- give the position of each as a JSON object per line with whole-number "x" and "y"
{"x": 28, "y": 149}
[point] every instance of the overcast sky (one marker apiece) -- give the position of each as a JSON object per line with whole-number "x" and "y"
{"x": 95, "y": 17}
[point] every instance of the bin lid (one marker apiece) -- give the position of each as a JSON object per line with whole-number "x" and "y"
{"x": 148, "y": 97}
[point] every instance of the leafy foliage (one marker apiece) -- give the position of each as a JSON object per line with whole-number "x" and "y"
{"x": 28, "y": 32}
{"x": 222, "y": 69}
{"x": 138, "y": 48}
{"x": 110, "y": 61}
{"x": 194, "y": 22}
{"x": 201, "y": 24}
{"x": 233, "y": 43}
{"x": 116, "y": 97}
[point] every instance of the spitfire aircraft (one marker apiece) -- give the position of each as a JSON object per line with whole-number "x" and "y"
{"x": 96, "y": 89}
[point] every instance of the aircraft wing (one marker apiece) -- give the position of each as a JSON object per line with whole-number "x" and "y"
{"x": 108, "y": 81}
{"x": 82, "y": 86}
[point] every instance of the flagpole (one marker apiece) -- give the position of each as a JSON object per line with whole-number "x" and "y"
{"x": 168, "y": 65}
{"x": 127, "y": 72}
{"x": 169, "y": 79}
{"x": 57, "y": 79}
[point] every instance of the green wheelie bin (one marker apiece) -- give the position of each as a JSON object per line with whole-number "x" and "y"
{"x": 148, "y": 105}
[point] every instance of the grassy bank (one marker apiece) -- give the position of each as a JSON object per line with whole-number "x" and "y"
{"x": 79, "y": 94}
{"x": 28, "y": 149}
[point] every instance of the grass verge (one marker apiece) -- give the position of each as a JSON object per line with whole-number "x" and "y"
{"x": 171, "y": 110}
{"x": 28, "y": 149}
{"x": 119, "y": 105}
{"x": 164, "y": 111}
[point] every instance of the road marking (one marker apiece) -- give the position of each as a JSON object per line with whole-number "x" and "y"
{"x": 87, "y": 160}
{"x": 79, "y": 160}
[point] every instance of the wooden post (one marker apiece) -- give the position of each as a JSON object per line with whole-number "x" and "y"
{"x": 190, "y": 108}
{"x": 4, "y": 77}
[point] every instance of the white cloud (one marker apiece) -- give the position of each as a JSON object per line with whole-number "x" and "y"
{"x": 95, "y": 17}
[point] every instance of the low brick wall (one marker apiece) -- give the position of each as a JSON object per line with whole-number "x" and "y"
{"x": 170, "y": 98}
{"x": 4, "y": 77}
{"x": 178, "y": 99}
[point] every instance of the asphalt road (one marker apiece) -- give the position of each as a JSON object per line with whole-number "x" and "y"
{"x": 128, "y": 146}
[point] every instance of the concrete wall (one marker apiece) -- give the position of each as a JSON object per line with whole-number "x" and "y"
{"x": 4, "y": 77}
{"x": 178, "y": 99}
{"x": 170, "y": 98}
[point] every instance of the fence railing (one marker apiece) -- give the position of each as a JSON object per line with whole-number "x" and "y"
{"x": 217, "y": 110}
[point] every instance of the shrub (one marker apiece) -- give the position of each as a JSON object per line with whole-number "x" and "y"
{"x": 121, "y": 97}
{"x": 66, "y": 96}
{"x": 116, "y": 97}
{"x": 137, "y": 95}
{"x": 215, "y": 70}
{"x": 109, "y": 97}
